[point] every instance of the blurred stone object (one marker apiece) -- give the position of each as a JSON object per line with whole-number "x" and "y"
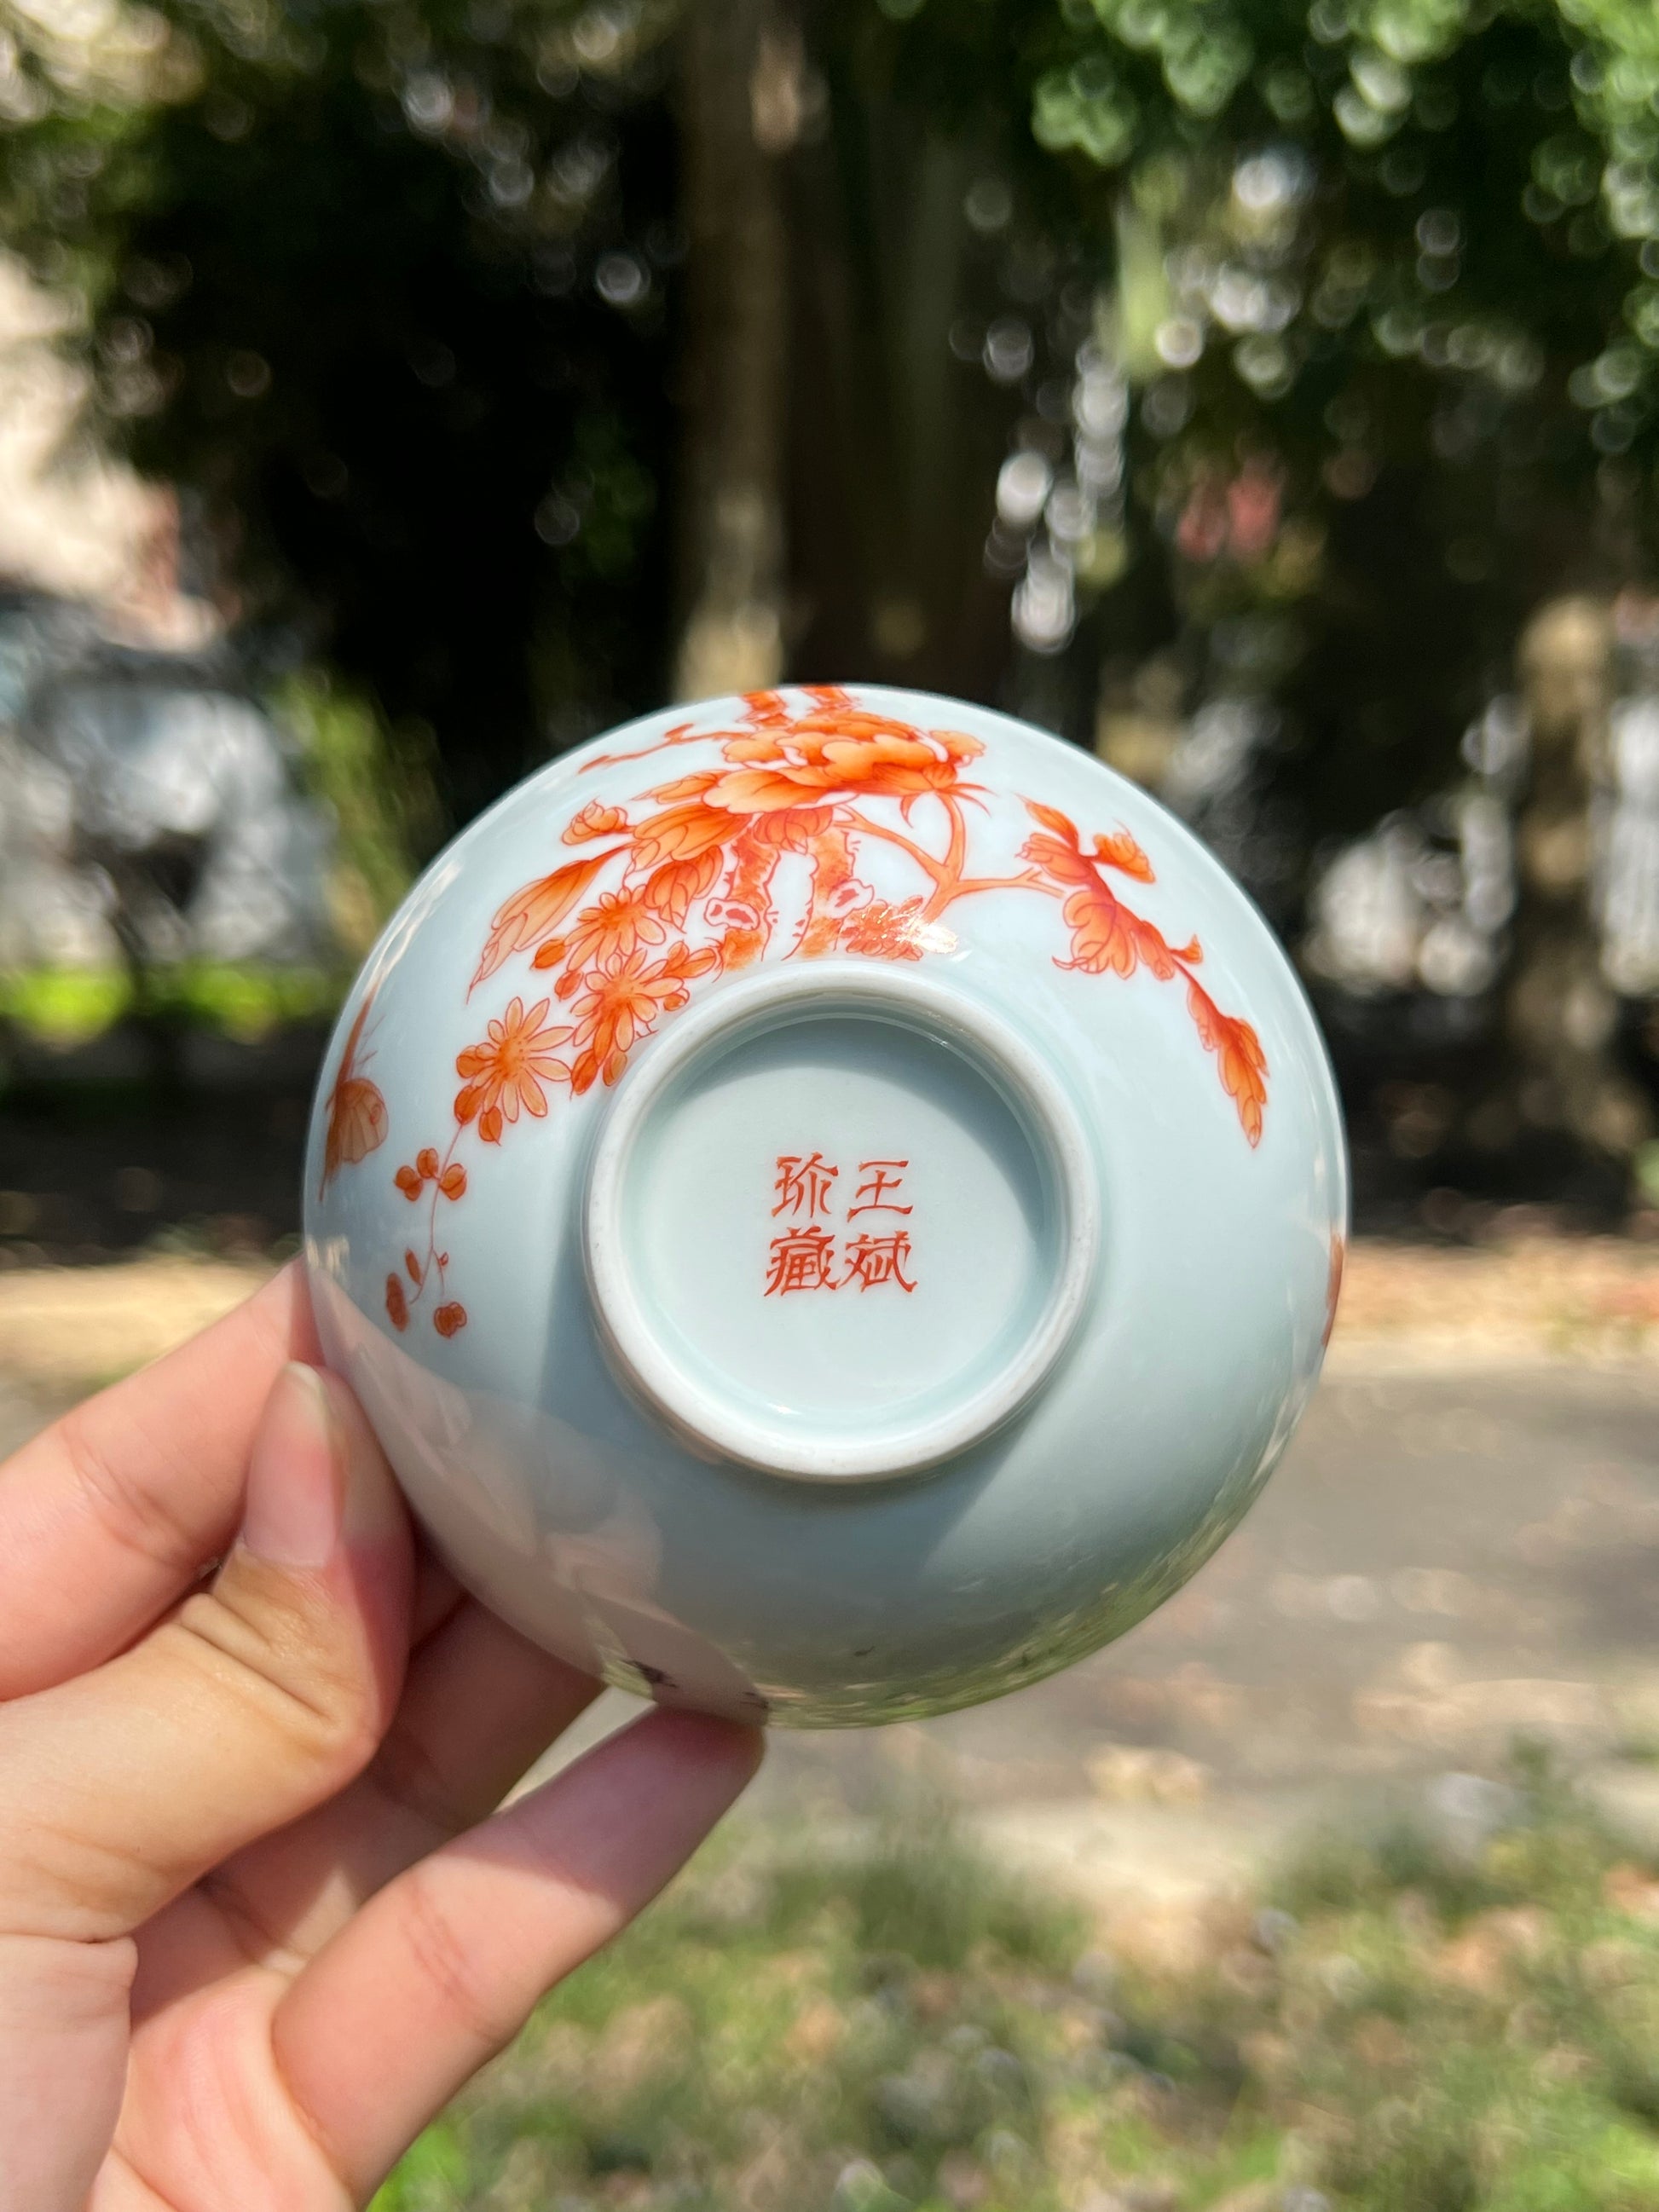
{"x": 742, "y": 108}
{"x": 1368, "y": 912}
{"x": 148, "y": 812}
{"x": 1627, "y": 842}
{"x": 1422, "y": 903}
{"x": 1539, "y": 876}
{"x": 1560, "y": 1011}
{"x": 1627, "y": 902}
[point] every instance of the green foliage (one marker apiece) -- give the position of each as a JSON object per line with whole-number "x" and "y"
{"x": 1379, "y": 270}
{"x": 378, "y": 792}
{"x": 924, "y": 1897}
{"x": 65, "y": 1005}
{"x": 242, "y": 999}
{"x": 1446, "y": 2031}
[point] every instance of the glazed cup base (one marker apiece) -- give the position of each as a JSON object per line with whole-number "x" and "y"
{"x": 842, "y": 1224}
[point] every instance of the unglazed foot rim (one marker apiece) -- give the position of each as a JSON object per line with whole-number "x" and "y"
{"x": 728, "y": 1422}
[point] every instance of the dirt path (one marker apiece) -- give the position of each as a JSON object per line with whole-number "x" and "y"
{"x": 64, "y": 1331}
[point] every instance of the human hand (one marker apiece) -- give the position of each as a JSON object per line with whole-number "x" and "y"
{"x": 259, "y": 1918}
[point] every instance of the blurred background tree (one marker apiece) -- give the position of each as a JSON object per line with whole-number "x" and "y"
{"x": 383, "y": 288}
{"x": 1225, "y": 383}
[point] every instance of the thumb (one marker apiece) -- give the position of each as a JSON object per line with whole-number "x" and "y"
{"x": 261, "y": 1697}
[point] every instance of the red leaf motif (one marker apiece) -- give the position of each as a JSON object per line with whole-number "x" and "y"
{"x": 681, "y": 961}
{"x": 670, "y": 889}
{"x": 687, "y": 786}
{"x": 1050, "y": 818}
{"x": 408, "y": 1181}
{"x": 681, "y": 833}
{"x": 1107, "y": 934}
{"x": 397, "y": 1304}
{"x": 453, "y": 1180}
{"x": 1239, "y": 1056}
{"x": 449, "y": 1318}
{"x": 413, "y": 1266}
{"x": 1100, "y": 939}
{"x": 1119, "y": 851}
{"x": 550, "y": 954}
{"x": 1063, "y": 862}
{"x": 535, "y": 911}
{"x": 356, "y": 1123}
{"x": 595, "y": 820}
{"x": 426, "y": 1161}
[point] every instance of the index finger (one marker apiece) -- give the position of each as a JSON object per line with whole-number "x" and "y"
{"x": 109, "y": 1516}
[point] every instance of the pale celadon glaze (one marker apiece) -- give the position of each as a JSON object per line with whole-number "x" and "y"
{"x": 827, "y": 1449}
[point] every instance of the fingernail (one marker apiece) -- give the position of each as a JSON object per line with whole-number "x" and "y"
{"x": 295, "y": 1475}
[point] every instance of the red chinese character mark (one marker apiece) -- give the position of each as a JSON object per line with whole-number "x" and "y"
{"x": 803, "y": 1184}
{"x": 873, "y": 1260}
{"x": 801, "y": 1259}
{"x": 871, "y": 1197}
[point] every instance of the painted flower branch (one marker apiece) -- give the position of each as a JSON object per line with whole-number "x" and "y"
{"x": 433, "y": 1179}
{"x": 1108, "y": 934}
{"x": 686, "y": 881}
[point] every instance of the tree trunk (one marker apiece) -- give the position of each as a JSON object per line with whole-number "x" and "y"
{"x": 1560, "y": 1016}
{"x": 741, "y": 113}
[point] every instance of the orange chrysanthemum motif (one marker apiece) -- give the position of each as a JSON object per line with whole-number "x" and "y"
{"x": 509, "y": 1070}
{"x": 616, "y": 924}
{"x": 619, "y": 1002}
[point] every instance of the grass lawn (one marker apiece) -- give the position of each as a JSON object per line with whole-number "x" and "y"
{"x": 1403, "y": 2027}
